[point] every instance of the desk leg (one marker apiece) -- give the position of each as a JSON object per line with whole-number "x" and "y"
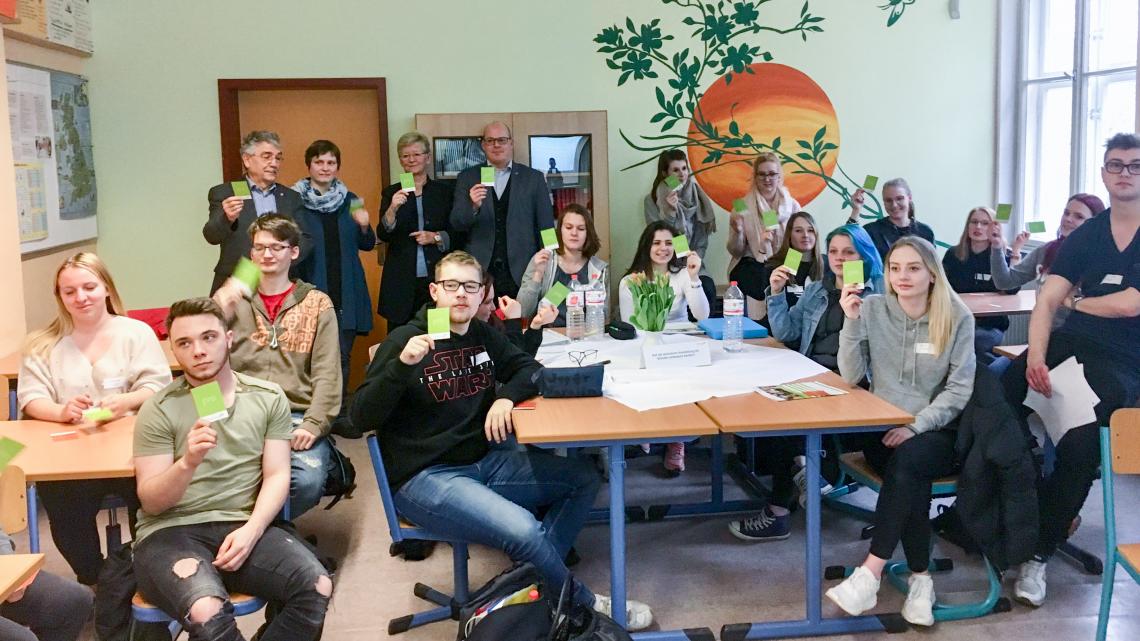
{"x": 33, "y": 520}
{"x": 717, "y": 472}
{"x": 12, "y": 411}
{"x": 617, "y": 531}
{"x": 814, "y": 544}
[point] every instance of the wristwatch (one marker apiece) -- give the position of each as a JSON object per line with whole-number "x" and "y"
{"x": 438, "y": 239}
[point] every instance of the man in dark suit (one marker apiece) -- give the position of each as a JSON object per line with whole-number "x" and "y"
{"x": 415, "y": 225}
{"x": 230, "y": 215}
{"x": 504, "y": 221}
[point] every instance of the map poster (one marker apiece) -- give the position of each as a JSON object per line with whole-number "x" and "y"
{"x": 31, "y": 201}
{"x": 75, "y": 163}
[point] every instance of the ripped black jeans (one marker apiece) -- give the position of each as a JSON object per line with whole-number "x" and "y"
{"x": 280, "y": 570}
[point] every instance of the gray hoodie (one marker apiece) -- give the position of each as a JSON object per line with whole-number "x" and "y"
{"x": 932, "y": 387}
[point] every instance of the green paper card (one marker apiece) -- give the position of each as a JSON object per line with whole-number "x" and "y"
{"x": 8, "y": 450}
{"x": 487, "y": 176}
{"x": 1035, "y": 226}
{"x": 241, "y": 189}
{"x": 739, "y": 205}
{"x": 209, "y": 402}
{"x": 97, "y": 414}
{"x": 681, "y": 246}
{"x": 355, "y": 205}
{"x": 556, "y": 295}
{"x": 1003, "y": 212}
{"x": 771, "y": 219}
{"x": 853, "y": 272}
{"x": 439, "y": 323}
{"x": 549, "y": 239}
{"x": 408, "y": 181}
{"x": 793, "y": 259}
{"x": 673, "y": 182}
{"x": 248, "y": 274}
{"x": 870, "y": 182}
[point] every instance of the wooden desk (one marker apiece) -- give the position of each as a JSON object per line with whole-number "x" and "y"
{"x": 17, "y": 569}
{"x": 1011, "y": 352}
{"x": 594, "y": 420}
{"x": 998, "y": 304}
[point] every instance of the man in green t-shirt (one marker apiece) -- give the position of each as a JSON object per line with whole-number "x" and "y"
{"x": 210, "y": 488}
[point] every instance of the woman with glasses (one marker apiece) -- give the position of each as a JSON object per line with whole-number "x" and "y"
{"x": 749, "y": 243}
{"x": 900, "y": 220}
{"x": 415, "y": 224}
{"x": 685, "y": 207}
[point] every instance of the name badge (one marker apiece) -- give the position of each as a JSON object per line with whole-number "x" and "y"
{"x": 795, "y": 289}
{"x": 117, "y": 382}
{"x": 480, "y": 358}
{"x": 985, "y": 277}
{"x": 924, "y": 348}
{"x": 1112, "y": 279}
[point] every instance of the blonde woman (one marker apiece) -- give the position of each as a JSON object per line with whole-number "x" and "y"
{"x": 749, "y": 244}
{"x": 90, "y": 356}
{"x": 916, "y": 344}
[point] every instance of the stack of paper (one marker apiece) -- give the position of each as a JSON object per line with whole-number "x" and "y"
{"x": 1071, "y": 404}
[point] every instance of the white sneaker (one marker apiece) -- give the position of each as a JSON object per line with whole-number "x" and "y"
{"x": 800, "y": 480}
{"x": 1030, "y": 586}
{"x": 858, "y": 592}
{"x": 919, "y": 606}
{"x": 637, "y": 614}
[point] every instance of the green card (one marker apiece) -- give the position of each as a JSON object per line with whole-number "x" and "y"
{"x": 870, "y": 182}
{"x": 1003, "y": 212}
{"x": 355, "y": 205}
{"x": 739, "y": 205}
{"x": 793, "y": 259}
{"x": 209, "y": 402}
{"x": 673, "y": 182}
{"x": 241, "y": 189}
{"x": 549, "y": 239}
{"x": 439, "y": 323}
{"x": 487, "y": 176}
{"x": 556, "y": 295}
{"x": 8, "y": 450}
{"x": 853, "y": 272}
{"x": 1035, "y": 227}
{"x": 771, "y": 219}
{"x": 681, "y": 246}
{"x": 408, "y": 181}
{"x": 97, "y": 414}
{"x": 248, "y": 274}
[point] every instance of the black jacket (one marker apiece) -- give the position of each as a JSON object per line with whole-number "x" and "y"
{"x": 997, "y": 488}
{"x": 234, "y": 237}
{"x": 398, "y": 281}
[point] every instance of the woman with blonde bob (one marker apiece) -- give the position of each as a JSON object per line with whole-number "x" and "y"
{"x": 91, "y": 357}
{"x": 916, "y": 344}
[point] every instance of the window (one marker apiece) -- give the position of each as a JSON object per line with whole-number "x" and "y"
{"x": 1077, "y": 87}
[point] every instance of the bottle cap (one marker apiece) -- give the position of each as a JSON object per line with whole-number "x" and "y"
{"x": 732, "y": 283}
{"x": 533, "y": 595}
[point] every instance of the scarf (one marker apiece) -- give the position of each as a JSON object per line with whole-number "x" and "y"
{"x": 326, "y": 203}
{"x": 693, "y": 206}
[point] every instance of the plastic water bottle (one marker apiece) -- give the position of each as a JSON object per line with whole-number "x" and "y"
{"x": 576, "y": 310}
{"x": 733, "y": 318}
{"x": 595, "y": 308}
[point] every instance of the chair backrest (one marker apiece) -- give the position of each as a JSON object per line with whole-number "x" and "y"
{"x": 5, "y": 404}
{"x": 13, "y": 500}
{"x": 1124, "y": 430}
{"x": 385, "y": 489}
{"x": 155, "y": 317}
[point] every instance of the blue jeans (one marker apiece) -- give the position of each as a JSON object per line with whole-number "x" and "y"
{"x": 491, "y": 503}
{"x": 309, "y": 469}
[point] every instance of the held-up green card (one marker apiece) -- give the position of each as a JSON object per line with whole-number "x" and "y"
{"x": 870, "y": 182}
{"x": 1003, "y": 212}
{"x": 487, "y": 176}
{"x": 739, "y": 205}
{"x": 673, "y": 182}
{"x": 8, "y": 450}
{"x": 1035, "y": 227}
{"x": 209, "y": 402}
{"x": 97, "y": 414}
{"x": 681, "y": 246}
{"x": 355, "y": 205}
{"x": 247, "y": 273}
{"x": 853, "y": 272}
{"x": 771, "y": 219}
{"x": 793, "y": 259}
{"x": 241, "y": 189}
{"x": 556, "y": 295}
{"x": 549, "y": 239}
{"x": 408, "y": 181}
{"x": 439, "y": 323}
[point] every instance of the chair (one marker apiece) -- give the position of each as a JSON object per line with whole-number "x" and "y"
{"x": 154, "y": 317}
{"x": 6, "y": 404}
{"x": 1119, "y": 454}
{"x": 144, "y": 612}
{"x": 856, "y": 468}
{"x": 400, "y": 530}
{"x": 13, "y": 500}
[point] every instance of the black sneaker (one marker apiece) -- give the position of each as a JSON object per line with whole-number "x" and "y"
{"x": 765, "y": 526}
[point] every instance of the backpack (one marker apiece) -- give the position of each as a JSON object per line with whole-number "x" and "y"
{"x": 113, "y": 618}
{"x": 341, "y": 479}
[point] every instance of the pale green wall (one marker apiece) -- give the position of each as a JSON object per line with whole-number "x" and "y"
{"x": 915, "y": 100}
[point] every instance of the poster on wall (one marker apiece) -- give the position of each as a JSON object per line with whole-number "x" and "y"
{"x": 61, "y": 22}
{"x": 52, "y": 151}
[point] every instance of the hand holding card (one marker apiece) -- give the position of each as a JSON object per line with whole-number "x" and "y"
{"x": 556, "y": 295}
{"x": 673, "y": 182}
{"x": 248, "y": 274}
{"x": 209, "y": 402}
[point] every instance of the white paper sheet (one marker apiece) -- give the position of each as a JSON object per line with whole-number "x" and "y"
{"x": 1072, "y": 403}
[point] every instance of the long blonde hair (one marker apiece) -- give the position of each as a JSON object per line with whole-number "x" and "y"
{"x": 940, "y": 298}
{"x": 962, "y": 249}
{"x": 40, "y": 342}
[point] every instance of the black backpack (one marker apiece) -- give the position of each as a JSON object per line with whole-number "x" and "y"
{"x": 341, "y": 479}
{"x": 113, "y": 619}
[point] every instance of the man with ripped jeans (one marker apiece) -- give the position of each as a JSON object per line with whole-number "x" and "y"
{"x": 210, "y": 490}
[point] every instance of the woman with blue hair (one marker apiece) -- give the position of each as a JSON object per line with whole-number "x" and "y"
{"x": 815, "y": 322}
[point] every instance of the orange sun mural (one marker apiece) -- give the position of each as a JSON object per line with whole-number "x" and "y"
{"x": 774, "y": 101}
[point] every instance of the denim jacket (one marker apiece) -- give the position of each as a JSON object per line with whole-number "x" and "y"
{"x": 799, "y": 322}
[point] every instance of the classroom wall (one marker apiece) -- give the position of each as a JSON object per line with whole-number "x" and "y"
{"x": 12, "y": 323}
{"x": 915, "y": 100}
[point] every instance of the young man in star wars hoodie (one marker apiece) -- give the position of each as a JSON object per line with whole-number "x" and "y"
{"x": 286, "y": 332}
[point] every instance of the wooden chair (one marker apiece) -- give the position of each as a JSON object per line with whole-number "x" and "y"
{"x": 1119, "y": 454}
{"x": 6, "y": 402}
{"x": 13, "y": 500}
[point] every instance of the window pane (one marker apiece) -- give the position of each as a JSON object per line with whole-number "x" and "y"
{"x": 1048, "y": 134}
{"x": 1052, "y": 25}
{"x": 1112, "y": 109}
{"x": 1112, "y": 34}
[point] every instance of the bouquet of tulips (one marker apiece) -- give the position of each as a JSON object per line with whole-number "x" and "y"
{"x": 652, "y": 300}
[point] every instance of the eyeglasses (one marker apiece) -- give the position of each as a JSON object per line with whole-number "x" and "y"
{"x": 411, "y": 156}
{"x": 980, "y": 223}
{"x": 497, "y": 142}
{"x": 275, "y": 248}
{"x": 469, "y": 286}
{"x": 767, "y": 175}
{"x": 1117, "y": 167}
{"x": 579, "y": 357}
